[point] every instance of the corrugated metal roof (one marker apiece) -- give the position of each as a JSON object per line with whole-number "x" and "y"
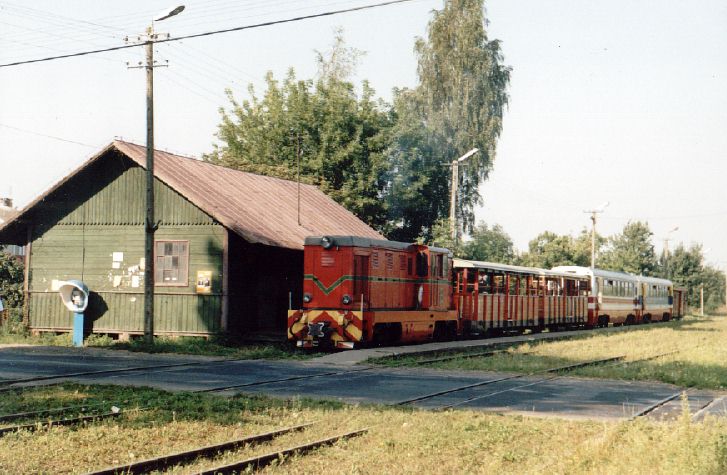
{"x": 260, "y": 209}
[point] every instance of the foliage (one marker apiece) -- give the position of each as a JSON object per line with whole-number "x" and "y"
{"x": 341, "y": 138}
{"x": 549, "y": 250}
{"x": 490, "y": 244}
{"x": 11, "y": 280}
{"x": 462, "y": 92}
{"x": 685, "y": 266}
{"x": 631, "y": 251}
{"x": 400, "y": 440}
{"x": 700, "y": 359}
{"x": 417, "y": 182}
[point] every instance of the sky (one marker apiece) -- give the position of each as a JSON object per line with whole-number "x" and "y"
{"x": 620, "y": 101}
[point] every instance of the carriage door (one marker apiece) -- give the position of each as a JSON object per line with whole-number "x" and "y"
{"x": 361, "y": 279}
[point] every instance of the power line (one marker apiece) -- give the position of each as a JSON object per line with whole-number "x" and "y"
{"x": 48, "y": 136}
{"x": 209, "y": 33}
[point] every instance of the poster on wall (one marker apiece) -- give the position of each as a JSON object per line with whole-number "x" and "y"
{"x": 204, "y": 281}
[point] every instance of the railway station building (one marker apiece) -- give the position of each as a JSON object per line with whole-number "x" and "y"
{"x": 228, "y": 247}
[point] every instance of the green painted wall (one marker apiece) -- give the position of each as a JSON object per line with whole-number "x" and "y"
{"x": 97, "y": 216}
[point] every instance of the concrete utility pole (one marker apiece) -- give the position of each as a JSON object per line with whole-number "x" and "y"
{"x": 150, "y": 225}
{"x": 593, "y": 213}
{"x": 453, "y": 192}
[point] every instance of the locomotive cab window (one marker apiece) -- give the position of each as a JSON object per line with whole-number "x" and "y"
{"x": 171, "y": 263}
{"x": 422, "y": 264}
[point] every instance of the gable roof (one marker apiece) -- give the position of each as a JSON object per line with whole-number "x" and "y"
{"x": 260, "y": 209}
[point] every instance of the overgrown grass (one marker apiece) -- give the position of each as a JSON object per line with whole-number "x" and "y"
{"x": 700, "y": 358}
{"x": 399, "y": 440}
{"x": 18, "y": 334}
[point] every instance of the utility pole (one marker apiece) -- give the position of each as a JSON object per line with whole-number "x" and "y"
{"x": 594, "y": 213}
{"x": 453, "y": 193}
{"x": 666, "y": 251}
{"x": 150, "y": 226}
{"x": 297, "y": 157}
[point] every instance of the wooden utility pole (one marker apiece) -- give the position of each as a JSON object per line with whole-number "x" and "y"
{"x": 150, "y": 225}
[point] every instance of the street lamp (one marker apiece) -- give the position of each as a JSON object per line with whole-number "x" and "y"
{"x": 453, "y": 195}
{"x": 666, "y": 250}
{"x": 150, "y": 225}
{"x": 593, "y": 213}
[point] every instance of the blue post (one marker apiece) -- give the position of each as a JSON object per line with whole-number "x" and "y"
{"x": 78, "y": 329}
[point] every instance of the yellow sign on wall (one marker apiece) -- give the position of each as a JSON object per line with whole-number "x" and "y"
{"x": 204, "y": 281}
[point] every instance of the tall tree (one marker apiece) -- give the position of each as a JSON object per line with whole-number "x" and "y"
{"x": 631, "y": 251}
{"x": 458, "y": 105}
{"x": 342, "y": 138}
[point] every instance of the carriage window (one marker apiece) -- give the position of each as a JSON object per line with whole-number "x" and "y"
{"x": 402, "y": 262}
{"x": 408, "y": 265}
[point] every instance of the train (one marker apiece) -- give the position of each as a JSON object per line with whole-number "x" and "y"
{"x": 360, "y": 291}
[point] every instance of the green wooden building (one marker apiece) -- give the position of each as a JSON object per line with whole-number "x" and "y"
{"x": 228, "y": 249}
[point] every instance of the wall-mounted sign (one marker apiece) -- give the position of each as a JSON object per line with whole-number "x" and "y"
{"x": 204, "y": 281}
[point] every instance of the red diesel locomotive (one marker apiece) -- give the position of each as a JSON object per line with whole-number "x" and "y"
{"x": 360, "y": 290}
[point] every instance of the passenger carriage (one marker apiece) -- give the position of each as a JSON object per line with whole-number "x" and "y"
{"x": 494, "y": 298}
{"x": 655, "y": 299}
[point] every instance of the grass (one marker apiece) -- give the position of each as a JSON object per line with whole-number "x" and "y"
{"x": 400, "y": 441}
{"x": 700, "y": 360}
{"x": 181, "y": 345}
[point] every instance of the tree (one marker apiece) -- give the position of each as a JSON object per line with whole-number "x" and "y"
{"x": 631, "y": 251}
{"x": 686, "y": 268}
{"x": 342, "y": 138}
{"x": 11, "y": 280}
{"x": 549, "y": 250}
{"x": 458, "y": 105}
{"x": 490, "y": 244}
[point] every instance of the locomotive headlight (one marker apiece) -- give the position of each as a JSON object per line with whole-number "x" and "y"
{"x": 307, "y": 297}
{"x": 326, "y": 242}
{"x": 346, "y": 299}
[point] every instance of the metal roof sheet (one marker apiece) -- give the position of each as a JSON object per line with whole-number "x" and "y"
{"x": 260, "y": 209}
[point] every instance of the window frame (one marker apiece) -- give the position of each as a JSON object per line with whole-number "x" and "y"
{"x": 181, "y": 282}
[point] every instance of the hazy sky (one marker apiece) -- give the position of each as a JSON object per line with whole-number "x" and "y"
{"x": 620, "y": 101}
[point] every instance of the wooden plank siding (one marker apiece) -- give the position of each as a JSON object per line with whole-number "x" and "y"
{"x": 78, "y": 233}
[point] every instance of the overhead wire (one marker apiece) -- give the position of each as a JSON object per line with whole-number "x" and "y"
{"x": 48, "y": 136}
{"x": 209, "y": 33}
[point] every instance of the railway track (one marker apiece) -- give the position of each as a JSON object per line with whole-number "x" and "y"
{"x": 44, "y": 424}
{"x": 616, "y": 360}
{"x": 168, "y": 461}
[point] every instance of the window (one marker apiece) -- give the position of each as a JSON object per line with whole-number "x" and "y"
{"x": 172, "y": 263}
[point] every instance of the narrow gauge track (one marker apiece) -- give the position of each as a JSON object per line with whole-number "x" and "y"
{"x": 9, "y": 384}
{"x": 58, "y": 422}
{"x": 616, "y": 360}
{"x": 209, "y": 451}
{"x": 48, "y": 412}
{"x": 264, "y": 460}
